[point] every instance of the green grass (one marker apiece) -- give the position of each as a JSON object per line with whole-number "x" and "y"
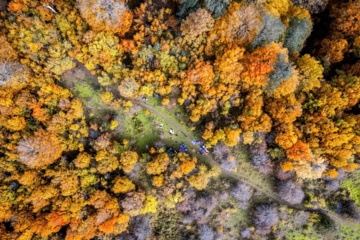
{"x": 138, "y": 127}
{"x": 239, "y": 219}
{"x": 246, "y": 169}
{"x": 352, "y": 185}
{"x": 347, "y": 233}
{"x": 90, "y": 98}
{"x": 84, "y": 91}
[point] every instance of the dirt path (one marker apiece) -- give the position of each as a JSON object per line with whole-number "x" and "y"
{"x": 267, "y": 192}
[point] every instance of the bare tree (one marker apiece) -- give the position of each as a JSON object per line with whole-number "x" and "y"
{"x": 262, "y": 162}
{"x": 11, "y": 73}
{"x": 221, "y": 151}
{"x": 266, "y": 216}
{"x": 290, "y": 193}
{"x": 245, "y": 233}
{"x": 242, "y": 193}
{"x": 282, "y": 175}
{"x": 205, "y": 232}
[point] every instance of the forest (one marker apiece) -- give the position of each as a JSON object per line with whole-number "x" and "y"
{"x": 179, "y": 119}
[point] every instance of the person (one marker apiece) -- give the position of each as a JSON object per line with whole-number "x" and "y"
{"x": 201, "y": 150}
{"x": 171, "y": 131}
{"x": 193, "y": 142}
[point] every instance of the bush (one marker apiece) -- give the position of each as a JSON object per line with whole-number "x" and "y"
{"x": 283, "y": 175}
{"x": 301, "y": 218}
{"x": 221, "y": 151}
{"x": 245, "y": 233}
{"x": 332, "y": 185}
{"x": 228, "y": 165}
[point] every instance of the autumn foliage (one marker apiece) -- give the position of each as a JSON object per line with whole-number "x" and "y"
{"x": 71, "y": 72}
{"x": 112, "y": 16}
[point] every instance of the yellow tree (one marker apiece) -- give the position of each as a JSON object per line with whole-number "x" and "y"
{"x": 122, "y": 185}
{"x": 284, "y": 110}
{"x": 310, "y": 72}
{"x": 128, "y": 159}
{"x": 158, "y": 165}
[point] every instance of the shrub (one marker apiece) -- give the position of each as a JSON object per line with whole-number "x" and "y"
{"x": 283, "y": 175}
{"x": 301, "y": 218}
{"x": 228, "y": 164}
{"x": 245, "y": 233}
{"x": 221, "y": 151}
{"x": 332, "y": 185}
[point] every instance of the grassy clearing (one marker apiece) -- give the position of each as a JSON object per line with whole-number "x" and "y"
{"x": 139, "y": 128}
{"x": 182, "y": 119}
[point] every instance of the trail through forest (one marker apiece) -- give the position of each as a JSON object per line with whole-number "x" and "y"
{"x": 268, "y": 192}
{"x": 241, "y": 176}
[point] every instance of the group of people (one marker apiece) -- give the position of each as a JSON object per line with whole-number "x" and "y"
{"x": 202, "y": 149}
{"x": 183, "y": 148}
